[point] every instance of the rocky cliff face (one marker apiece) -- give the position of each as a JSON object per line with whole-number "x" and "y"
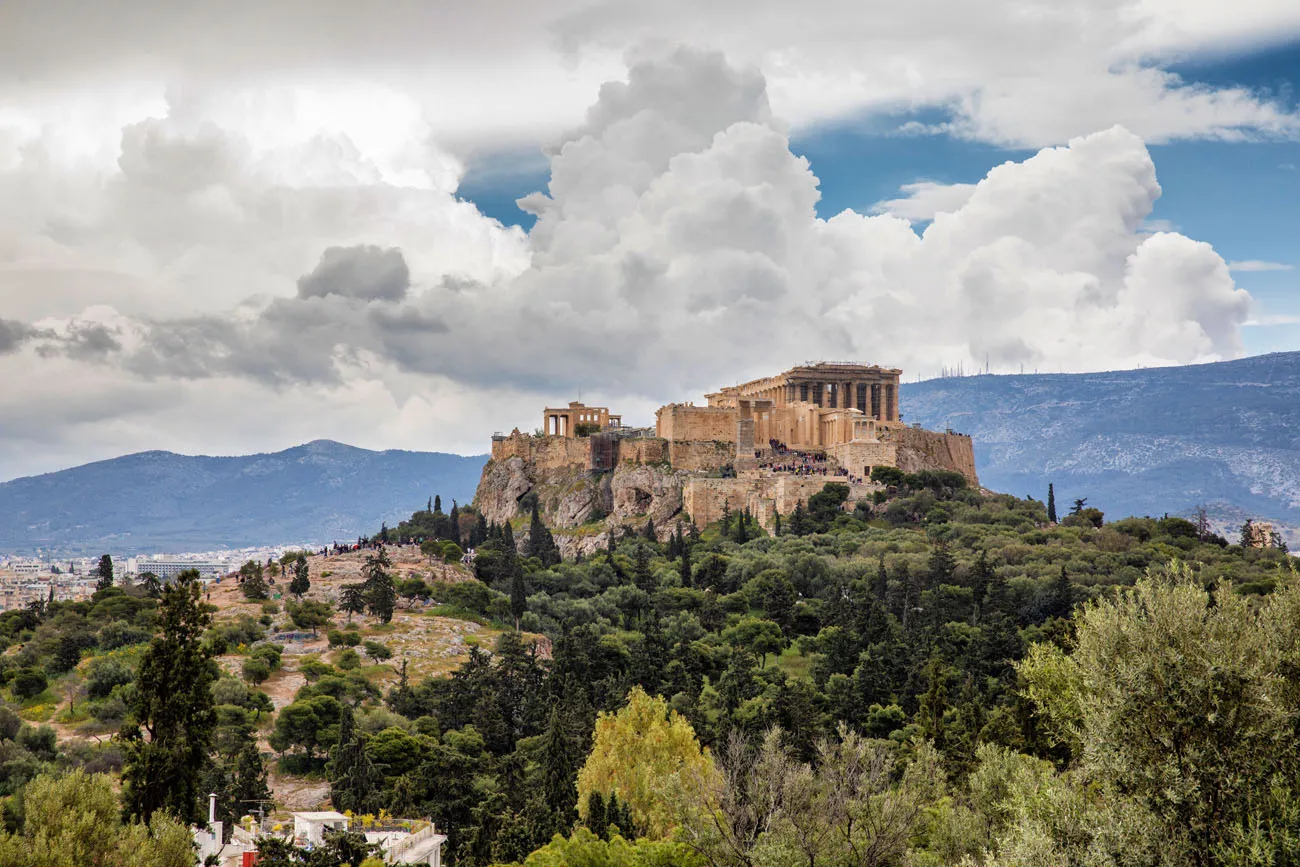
{"x": 581, "y": 507}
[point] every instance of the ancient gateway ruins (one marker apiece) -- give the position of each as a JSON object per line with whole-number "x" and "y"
{"x": 764, "y": 445}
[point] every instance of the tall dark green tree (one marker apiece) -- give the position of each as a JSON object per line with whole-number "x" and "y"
{"x": 453, "y": 523}
{"x": 1062, "y": 594}
{"x": 518, "y": 592}
{"x": 354, "y": 780}
{"x": 104, "y": 571}
{"x": 685, "y": 567}
{"x": 641, "y": 573}
{"x": 437, "y": 503}
{"x": 541, "y": 544}
{"x": 941, "y": 566}
{"x": 301, "y": 581}
{"x": 1051, "y": 503}
{"x": 352, "y": 599}
{"x": 381, "y": 593}
{"x": 168, "y": 735}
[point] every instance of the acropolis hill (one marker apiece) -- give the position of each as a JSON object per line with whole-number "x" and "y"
{"x": 763, "y": 446}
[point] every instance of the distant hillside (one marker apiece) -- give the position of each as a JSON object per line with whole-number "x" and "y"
{"x": 1135, "y": 442}
{"x": 164, "y": 501}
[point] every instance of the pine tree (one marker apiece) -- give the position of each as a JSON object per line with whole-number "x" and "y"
{"x": 172, "y": 703}
{"x": 354, "y": 780}
{"x": 685, "y": 568}
{"x": 380, "y": 592}
{"x": 352, "y": 599}
{"x": 596, "y": 819}
{"x": 301, "y": 582}
{"x": 105, "y": 572}
{"x": 1051, "y": 503}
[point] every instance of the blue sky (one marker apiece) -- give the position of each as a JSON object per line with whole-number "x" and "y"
{"x": 1241, "y": 196}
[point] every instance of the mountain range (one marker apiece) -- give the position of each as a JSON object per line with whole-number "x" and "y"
{"x": 162, "y": 501}
{"x": 1136, "y": 442}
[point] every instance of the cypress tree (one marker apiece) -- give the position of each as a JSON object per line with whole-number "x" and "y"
{"x": 648, "y": 532}
{"x": 596, "y": 819}
{"x": 642, "y": 575}
{"x": 437, "y": 503}
{"x": 1062, "y": 594}
{"x": 172, "y": 703}
{"x": 686, "y": 566}
{"x": 518, "y": 592}
{"x": 561, "y": 758}
{"x": 453, "y": 531}
{"x": 354, "y": 780}
{"x": 1051, "y": 504}
{"x": 777, "y": 530}
{"x": 429, "y": 506}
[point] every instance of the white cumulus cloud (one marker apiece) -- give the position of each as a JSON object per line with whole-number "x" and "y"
{"x": 340, "y": 286}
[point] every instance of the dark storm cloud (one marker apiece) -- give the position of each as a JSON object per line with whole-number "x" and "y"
{"x": 365, "y": 271}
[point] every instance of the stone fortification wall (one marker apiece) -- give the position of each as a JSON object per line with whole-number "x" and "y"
{"x": 701, "y": 457}
{"x": 544, "y": 452}
{"x": 643, "y": 451}
{"x": 860, "y": 457}
{"x": 929, "y": 450}
{"x": 678, "y": 422}
{"x": 764, "y": 496}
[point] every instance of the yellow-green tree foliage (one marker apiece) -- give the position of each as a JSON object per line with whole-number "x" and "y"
{"x": 1185, "y": 699}
{"x": 74, "y": 821}
{"x": 585, "y": 849}
{"x": 647, "y": 755}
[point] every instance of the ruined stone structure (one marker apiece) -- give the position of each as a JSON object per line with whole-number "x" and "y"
{"x": 565, "y": 422}
{"x": 732, "y": 453}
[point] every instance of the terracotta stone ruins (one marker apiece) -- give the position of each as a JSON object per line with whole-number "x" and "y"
{"x": 764, "y": 445}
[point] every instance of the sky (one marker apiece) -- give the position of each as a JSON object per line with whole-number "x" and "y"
{"x": 403, "y": 224}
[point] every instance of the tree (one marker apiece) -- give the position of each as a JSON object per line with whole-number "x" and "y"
{"x": 649, "y": 757}
{"x": 760, "y": 636}
{"x": 151, "y": 584}
{"x": 352, "y": 599}
{"x": 377, "y": 651}
{"x": 541, "y": 543}
{"x": 1062, "y": 594}
{"x": 301, "y": 581}
{"x": 74, "y": 820}
{"x": 380, "y": 592}
{"x": 172, "y": 705}
{"x": 684, "y": 568}
{"x": 311, "y": 614}
{"x": 1051, "y": 504}
{"x": 437, "y": 504}
{"x": 1079, "y": 505}
{"x": 799, "y": 523}
{"x": 1183, "y": 698}
{"x": 252, "y": 581}
{"x": 354, "y": 781}
{"x": 518, "y": 593}
{"x": 105, "y": 573}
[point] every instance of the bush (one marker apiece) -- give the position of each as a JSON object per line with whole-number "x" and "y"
{"x": 348, "y": 659}
{"x": 29, "y": 683}
{"x": 121, "y": 634}
{"x": 256, "y": 669}
{"x": 377, "y": 651}
{"x": 105, "y": 673}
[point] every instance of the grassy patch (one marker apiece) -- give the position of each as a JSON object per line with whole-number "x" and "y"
{"x": 457, "y": 613}
{"x": 792, "y": 662}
